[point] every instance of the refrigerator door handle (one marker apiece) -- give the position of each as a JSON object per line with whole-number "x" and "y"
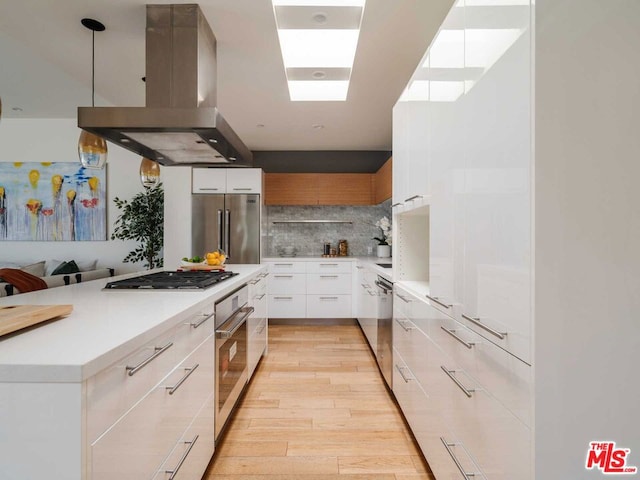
{"x": 220, "y": 230}
{"x": 227, "y": 223}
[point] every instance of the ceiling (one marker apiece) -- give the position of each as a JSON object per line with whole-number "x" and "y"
{"x": 45, "y": 58}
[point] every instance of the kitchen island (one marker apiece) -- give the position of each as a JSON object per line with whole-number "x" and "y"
{"x": 73, "y": 404}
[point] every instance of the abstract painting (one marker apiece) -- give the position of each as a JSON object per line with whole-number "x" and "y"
{"x": 57, "y": 201}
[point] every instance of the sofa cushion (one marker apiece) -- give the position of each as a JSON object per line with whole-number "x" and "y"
{"x": 66, "y": 268}
{"x": 51, "y": 265}
{"x": 36, "y": 269}
{"x": 87, "y": 266}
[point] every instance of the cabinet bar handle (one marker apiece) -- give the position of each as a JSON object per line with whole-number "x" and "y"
{"x": 283, "y": 298}
{"x": 467, "y": 391}
{"x": 453, "y": 334}
{"x": 412, "y": 198}
{"x": 402, "y": 324}
{"x": 205, "y": 317}
{"x": 157, "y": 352}
{"x": 396, "y": 204}
{"x": 186, "y": 375}
{"x": 174, "y": 472}
{"x": 476, "y": 321}
{"x": 209, "y": 188}
{"x": 283, "y": 276}
{"x": 243, "y": 189}
{"x": 263, "y": 275}
{"x": 264, "y": 325}
{"x": 283, "y": 264}
{"x": 328, "y": 264}
{"x": 404, "y": 299}
{"x": 448, "y": 446}
{"x": 401, "y": 372}
{"x": 328, "y": 276}
{"x": 437, "y": 300}
{"x": 260, "y": 297}
{"x": 373, "y": 294}
{"x": 328, "y": 298}
{"x": 365, "y": 285}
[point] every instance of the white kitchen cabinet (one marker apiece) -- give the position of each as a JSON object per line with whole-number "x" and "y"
{"x": 400, "y": 174}
{"x": 311, "y": 288}
{"x": 146, "y": 435}
{"x": 257, "y": 325}
{"x": 226, "y": 180}
{"x": 366, "y": 304}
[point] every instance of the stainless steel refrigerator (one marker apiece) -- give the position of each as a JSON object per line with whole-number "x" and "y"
{"x": 226, "y": 222}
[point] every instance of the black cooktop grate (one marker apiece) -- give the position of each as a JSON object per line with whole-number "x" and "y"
{"x": 172, "y": 280}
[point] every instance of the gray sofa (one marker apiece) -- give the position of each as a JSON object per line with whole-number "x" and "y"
{"x": 7, "y": 289}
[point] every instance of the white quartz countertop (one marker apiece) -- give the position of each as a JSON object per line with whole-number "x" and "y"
{"x": 105, "y": 325}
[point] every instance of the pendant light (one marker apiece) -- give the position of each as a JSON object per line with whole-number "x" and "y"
{"x": 92, "y": 149}
{"x": 149, "y": 173}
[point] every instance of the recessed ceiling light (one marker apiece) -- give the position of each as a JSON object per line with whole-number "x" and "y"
{"x": 317, "y": 126}
{"x": 16, "y": 109}
{"x": 320, "y": 18}
{"x": 318, "y": 74}
{"x": 260, "y": 125}
{"x": 125, "y": 140}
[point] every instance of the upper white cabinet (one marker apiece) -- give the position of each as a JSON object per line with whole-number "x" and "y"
{"x": 227, "y": 180}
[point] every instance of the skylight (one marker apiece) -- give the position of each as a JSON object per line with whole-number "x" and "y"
{"x": 318, "y": 40}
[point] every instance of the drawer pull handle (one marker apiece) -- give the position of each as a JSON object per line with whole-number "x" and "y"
{"x": 438, "y": 301}
{"x": 283, "y": 276}
{"x": 189, "y": 371}
{"x": 450, "y": 374}
{"x": 264, "y": 325}
{"x": 253, "y": 282}
{"x": 365, "y": 285}
{"x": 401, "y": 372}
{"x": 404, "y": 299}
{"x": 373, "y": 294}
{"x": 260, "y": 297}
{"x": 453, "y": 334}
{"x": 396, "y": 204}
{"x": 402, "y": 323}
{"x": 283, "y": 264}
{"x": 211, "y": 189}
{"x": 328, "y": 264}
{"x": 205, "y": 317}
{"x": 476, "y": 321}
{"x": 328, "y": 276}
{"x": 174, "y": 472}
{"x": 328, "y": 298}
{"x": 244, "y": 189}
{"x": 156, "y": 353}
{"x": 448, "y": 446}
{"x": 283, "y": 298}
{"x": 263, "y": 275}
{"x": 412, "y": 198}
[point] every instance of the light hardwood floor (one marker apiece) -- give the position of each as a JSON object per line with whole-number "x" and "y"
{"x": 317, "y": 409}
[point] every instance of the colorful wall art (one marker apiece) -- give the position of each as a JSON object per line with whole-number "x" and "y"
{"x": 55, "y": 201}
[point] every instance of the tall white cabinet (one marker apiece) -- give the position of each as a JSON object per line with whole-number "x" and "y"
{"x": 517, "y": 251}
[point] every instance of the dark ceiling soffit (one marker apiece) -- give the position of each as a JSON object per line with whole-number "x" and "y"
{"x": 320, "y": 161}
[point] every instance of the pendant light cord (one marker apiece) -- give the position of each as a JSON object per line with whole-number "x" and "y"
{"x": 93, "y": 68}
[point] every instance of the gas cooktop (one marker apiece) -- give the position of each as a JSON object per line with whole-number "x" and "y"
{"x": 172, "y": 280}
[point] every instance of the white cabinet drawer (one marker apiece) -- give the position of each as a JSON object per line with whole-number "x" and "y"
{"x": 287, "y": 306}
{"x": 209, "y": 180}
{"x": 402, "y": 302}
{"x": 321, "y": 283}
{"x": 504, "y": 376}
{"x": 329, "y": 267}
{"x": 329, "y": 306}
{"x": 257, "y": 343}
{"x": 244, "y": 180}
{"x": 190, "y": 456}
{"x": 114, "y": 390}
{"x": 287, "y": 283}
{"x": 138, "y": 442}
{"x": 287, "y": 267}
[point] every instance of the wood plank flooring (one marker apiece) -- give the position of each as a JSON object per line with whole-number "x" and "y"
{"x": 317, "y": 409}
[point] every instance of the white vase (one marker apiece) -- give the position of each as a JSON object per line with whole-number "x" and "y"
{"x": 384, "y": 251}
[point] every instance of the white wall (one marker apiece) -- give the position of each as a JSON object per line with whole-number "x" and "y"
{"x": 56, "y": 140}
{"x": 587, "y": 218}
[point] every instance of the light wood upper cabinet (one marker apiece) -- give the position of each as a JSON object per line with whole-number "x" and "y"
{"x": 328, "y": 188}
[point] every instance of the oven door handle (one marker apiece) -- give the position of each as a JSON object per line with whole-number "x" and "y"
{"x": 231, "y": 326}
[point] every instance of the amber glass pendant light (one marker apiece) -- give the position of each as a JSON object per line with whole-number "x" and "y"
{"x": 92, "y": 149}
{"x": 149, "y": 173}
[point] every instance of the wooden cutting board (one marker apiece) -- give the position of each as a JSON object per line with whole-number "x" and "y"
{"x": 16, "y": 317}
{"x": 192, "y": 268}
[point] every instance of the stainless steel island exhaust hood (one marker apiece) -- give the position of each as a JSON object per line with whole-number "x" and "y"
{"x": 180, "y": 124}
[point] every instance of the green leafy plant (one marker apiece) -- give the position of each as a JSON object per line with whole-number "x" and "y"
{"x": 142, "y": 219}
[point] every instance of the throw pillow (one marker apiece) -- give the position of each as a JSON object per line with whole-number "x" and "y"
{"x": 51, "y": 265}
{"x": 36, "y": 269}
{"x": 87, "y": 266}
{"x": 66, "y": 268}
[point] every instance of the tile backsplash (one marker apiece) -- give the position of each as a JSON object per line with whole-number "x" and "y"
{"x": 308, "y": 238}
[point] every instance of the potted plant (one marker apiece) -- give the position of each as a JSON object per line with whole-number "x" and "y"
{"x": 142, "y": 219}
{"x": 384, "y": 240}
